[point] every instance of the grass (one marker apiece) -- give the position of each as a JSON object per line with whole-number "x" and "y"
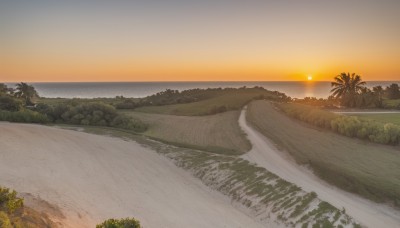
{"x": 231, "y": 101}
{"x": 383, "y": 117}
{"x": 254, "y": 187}
{"x": 218, "y": 133}
{"x": 391, "y": 104}
{"x": 368, "y": 169}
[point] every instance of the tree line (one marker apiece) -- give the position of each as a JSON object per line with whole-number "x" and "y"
{"x": 17, "y": 105}
{"x": 350, "y": 126}
{"x": 349, "y": 90}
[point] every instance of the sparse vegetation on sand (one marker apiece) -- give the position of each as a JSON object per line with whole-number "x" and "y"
{"x": 13, "y": 213}
{"x": 218, "y": 133}
{"x": 261, "y": 192}
{"x": 368, "y": 169}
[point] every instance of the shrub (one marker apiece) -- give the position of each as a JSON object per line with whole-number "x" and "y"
{"x": 23, "y": 116}
{"x": 9, "y": 201}
{"x": 93, "y": 113}
{"x": 8, "y": 103}
{"x": 350, "y": 126}
{"x": 120, "y": 223}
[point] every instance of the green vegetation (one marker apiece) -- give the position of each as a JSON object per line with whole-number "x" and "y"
{"x": 348, "y": 90}
{"x": 391, "y": 104}
{"x": 23, "y": 116}
{"x": 384, "y": 118}
{"x": 346, "y": 87}
{"x": 13, "y": 213}
{"x": 254, "y": 187}
{"x": 26, "y": 92}
{"x": 120, "y": 223}
{"x": 94, "y": 114}
{"x": 225, "y": 100}
{"x": 218, "y": 133}
{"x": 368, "y": 169}
{"x": 351, "y": 126}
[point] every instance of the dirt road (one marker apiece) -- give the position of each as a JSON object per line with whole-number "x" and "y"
{"x": 265, "y": 154}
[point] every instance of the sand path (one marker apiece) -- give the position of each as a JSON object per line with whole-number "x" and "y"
{"x": 92, "y": 178}
{"x": 265, "y": 154}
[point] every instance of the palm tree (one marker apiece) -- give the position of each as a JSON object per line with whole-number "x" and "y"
{"x": 26, "y": 92}
{"x": 346, "y": 87}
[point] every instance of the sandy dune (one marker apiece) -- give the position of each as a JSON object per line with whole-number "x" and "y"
{"x": 91, "y": 178}
{"x": 265, "y": 154}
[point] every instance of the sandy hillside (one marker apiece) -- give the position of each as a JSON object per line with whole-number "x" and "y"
{"x": 92, "y": 178}
{"x": 265, "y": 154}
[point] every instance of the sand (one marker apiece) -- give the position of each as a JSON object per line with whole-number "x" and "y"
{"x": 91, "y": 178}
{"x": 264, "y": 153}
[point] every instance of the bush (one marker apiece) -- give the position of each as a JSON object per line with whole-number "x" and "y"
{"x": 9, "y": 202}
{"x": 23, "y": 116}
{"x": 350, "y": 126}
{"x": 8, "y": 103}
{"x": 120, "y": 223}
{"x": 93, "y": 114}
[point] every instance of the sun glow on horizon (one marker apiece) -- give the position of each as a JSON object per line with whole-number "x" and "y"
{"x": 309, "y": 78}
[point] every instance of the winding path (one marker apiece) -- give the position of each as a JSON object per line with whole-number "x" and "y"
{"x": 266, "y": 155}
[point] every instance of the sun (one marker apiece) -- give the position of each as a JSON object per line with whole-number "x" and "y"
{"x": 309, "y": 78}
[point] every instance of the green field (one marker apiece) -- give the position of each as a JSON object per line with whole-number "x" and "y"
{"x": 229, "y": 101}
{"x": 368, "y": 169}
{"x": 383, "y": 118}
{"x": 391, "y": 104}
{"x": 218, "y": 133}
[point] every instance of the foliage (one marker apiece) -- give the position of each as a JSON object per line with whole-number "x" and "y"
{"x": 13, "y": 213}
{"x": 9, "y": 103}
{"x": 368, "y": 169}
{"x": 393, "y": 91}
{"x": 346, "y": 87}
{"x": 9, "y": 201}
{"x": 93, "y": 114}
{"x": 222, "y": 100}
{"x": 26, "y": 92}
{"x": 23, "y": 116}
{"x": 5, "y": 90}
{"x": 120, "y": 223}
{"x": 351, "y": 126}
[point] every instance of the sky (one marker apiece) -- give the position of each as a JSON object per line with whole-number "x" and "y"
{"x": 193, "y": 40}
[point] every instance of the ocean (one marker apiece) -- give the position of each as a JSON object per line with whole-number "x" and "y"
{"x": 295, "y": 89}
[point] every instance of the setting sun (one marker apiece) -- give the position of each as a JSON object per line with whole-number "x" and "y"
{"x": 309, "y": 78}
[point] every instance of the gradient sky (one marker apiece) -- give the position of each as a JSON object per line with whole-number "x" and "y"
{"x": 198, "y": 40}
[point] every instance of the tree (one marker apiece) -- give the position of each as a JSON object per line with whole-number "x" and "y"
{"x": 346, "y": 87}
{"x": 393, "y": 91}
{"x": 378, "y": 92}
{"x": 5, "y": 90}
{"x": 26, "y": 92}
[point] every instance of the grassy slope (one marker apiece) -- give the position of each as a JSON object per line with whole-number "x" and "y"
{"x": 232, "y": 101}
{"x": 368, "y": 169}
{"x": 217, "y": 133}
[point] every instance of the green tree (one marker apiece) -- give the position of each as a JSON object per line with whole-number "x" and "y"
{"x": 346, "y": 87}
{"x": 378, "y": 92}
{"x": 393, "y": 91}
{"x": 26, "y": 92}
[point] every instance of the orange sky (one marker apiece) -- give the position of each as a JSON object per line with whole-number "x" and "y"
{"x": 224, "y": 41}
